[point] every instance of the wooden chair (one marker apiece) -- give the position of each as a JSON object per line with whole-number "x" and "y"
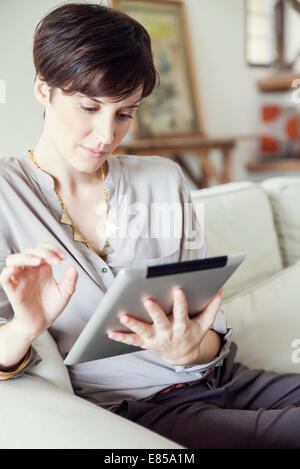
{"x": 197, "y": 145}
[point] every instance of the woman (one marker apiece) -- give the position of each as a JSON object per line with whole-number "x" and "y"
{"x": 64, "y": 202}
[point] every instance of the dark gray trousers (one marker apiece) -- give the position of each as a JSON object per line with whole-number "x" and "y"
{"x": 236, "y": 407}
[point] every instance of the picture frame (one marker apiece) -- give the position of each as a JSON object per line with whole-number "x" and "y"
{"x": 173, "y": 109}
{"x": 264, "y": 32}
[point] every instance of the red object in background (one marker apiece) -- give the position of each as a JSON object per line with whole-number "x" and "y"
{"x": 269, "y": 113}
{"x": 279, "y": 131}
{"x": 269, "y": 144}
{"x": 292, "y": 128}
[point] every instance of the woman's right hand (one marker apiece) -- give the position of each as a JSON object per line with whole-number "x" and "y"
{"x": 35, "y": 296}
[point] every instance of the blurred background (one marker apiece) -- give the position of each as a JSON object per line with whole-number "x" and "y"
{"x": 228, "y": 107}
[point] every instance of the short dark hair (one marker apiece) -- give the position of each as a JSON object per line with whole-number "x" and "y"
{"x": 95, "y": 50}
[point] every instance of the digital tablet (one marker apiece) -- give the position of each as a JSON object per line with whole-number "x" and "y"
{"x": 200, "y": 279}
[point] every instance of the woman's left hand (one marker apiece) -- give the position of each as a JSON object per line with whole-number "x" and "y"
{"x": 176, "y": 338}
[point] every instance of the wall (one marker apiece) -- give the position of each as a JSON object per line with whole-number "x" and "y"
{"x": 227, "y": 85}
{"x": 21, "y": 117}
{"x": 229, "y": 96}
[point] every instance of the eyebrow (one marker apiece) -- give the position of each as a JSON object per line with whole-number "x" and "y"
{"x": 132, "y": 106}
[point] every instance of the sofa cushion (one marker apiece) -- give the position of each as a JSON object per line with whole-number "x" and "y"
{"x": 238, "y": 218}
{"x": 266, "y": 322}
{"x": 284, "y": 194}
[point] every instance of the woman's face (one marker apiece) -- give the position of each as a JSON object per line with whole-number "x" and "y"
{"x": 80, "y": 127}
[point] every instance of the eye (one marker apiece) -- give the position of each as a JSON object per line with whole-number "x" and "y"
{"x": 125, "y": 116}
{"x": 89, "y": 109}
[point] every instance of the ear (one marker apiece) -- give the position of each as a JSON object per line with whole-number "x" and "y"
{"x": 41, "y": 91}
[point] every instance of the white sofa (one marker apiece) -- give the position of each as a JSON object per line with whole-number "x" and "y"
{"x": 261, "y": 302}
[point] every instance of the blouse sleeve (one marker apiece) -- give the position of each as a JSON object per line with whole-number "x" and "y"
{"x": 31, "y": 358}
{"x": 192, "y": 240}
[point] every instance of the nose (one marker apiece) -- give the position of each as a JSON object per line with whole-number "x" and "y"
{"x": 104, "y": 131}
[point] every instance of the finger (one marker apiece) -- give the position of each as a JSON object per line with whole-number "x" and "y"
{"x": 8, "y": 276}
{"x": 22, "y": 260}
{"x": 139, "y": 327}
{"x": 126, "y": 338}
{"x": 157, "y": 314}
{"x": 14, "y": 274}
{"x": 57, "y": 250}
{"x": 49, "y": 256}
{"x": 207, "y": 317}
{"x": 220, "y": 292}
{"x": 180, "y": 307}
{"x": 68, "y": 284}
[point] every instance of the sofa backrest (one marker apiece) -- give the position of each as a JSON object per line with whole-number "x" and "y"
{"x": 284, "y": 195}
{"x": 238, "y": 218}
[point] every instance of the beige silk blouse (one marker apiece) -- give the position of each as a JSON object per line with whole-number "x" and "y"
{"x": 30, "y": 212}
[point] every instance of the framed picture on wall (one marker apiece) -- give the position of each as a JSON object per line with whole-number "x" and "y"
{"x": 264, "y": 32}
{"x": 173, "y": 108}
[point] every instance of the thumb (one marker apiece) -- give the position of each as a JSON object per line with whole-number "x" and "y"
{"x": 207, "y": 317}
{"x": 68, "y": 284}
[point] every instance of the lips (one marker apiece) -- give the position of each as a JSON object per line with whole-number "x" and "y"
{"x": 94, "y": 153}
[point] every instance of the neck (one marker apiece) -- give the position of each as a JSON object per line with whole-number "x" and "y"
{"x": 67, "y": 179}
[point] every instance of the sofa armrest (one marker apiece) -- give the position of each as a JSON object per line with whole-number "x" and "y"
{"x": 37, "y": 414}
{"x": 51, "y": 368}
{"x": 40, "y": 410}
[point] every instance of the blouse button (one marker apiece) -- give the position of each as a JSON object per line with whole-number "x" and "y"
{"x": 104, "y": 269}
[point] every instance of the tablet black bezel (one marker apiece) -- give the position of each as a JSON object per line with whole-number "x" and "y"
{"x": 186, "y": 266}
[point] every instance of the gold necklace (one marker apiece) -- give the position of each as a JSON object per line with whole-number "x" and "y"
{"x": 31, "y": 154}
